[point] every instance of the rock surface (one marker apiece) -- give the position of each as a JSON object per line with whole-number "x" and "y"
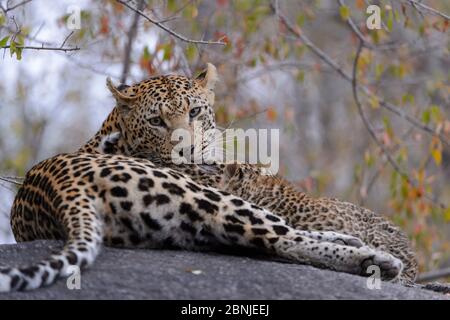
{"x": 164, "y": 274}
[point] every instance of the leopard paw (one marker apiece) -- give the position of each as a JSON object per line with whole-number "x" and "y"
{"x": 389, "y": 266}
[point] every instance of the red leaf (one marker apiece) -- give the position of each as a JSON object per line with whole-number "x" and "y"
{"x": 104, "y": 25}
{"x": 222, "y": 3}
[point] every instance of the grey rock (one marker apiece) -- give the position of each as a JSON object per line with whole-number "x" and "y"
{"x": 169, "y": 274}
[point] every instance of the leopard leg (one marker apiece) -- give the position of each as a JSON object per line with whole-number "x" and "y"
{"x": 84, "y": 238}
{"x": 255, "y": 227}
{"x": 335, "y": 237}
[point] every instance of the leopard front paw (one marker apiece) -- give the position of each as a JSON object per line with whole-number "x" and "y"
{"x": 349, "y": 241}
{"x": 389, "y": 266}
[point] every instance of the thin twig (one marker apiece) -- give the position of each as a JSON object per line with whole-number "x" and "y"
{"x": 182, "y": 59}
{"x": 39, "y": 29}
{"x": 15, "y": 6}
{"x": 14, "y": 177}
{"x": 416, "y": 4}
{"x": 366, "y": 42}
{"x": 12, "y": 181}
{"x": 131, "y": 35}
{"x": 334, "y": 65}
{"x": 168, "y": 30}
{"x": 42, "y": 48}
{"x": 67, "y": 38}
{"x": 175, "y": 14}
{"x": 44, "y": 45}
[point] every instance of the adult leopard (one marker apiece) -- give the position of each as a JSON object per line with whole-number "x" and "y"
{"x": 272, "y": 193}
{"x": 88, "y": 199}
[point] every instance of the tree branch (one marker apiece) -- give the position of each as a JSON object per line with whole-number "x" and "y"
{"x": 131, "y": 35}
{"x": 416, "y": 4}
{"x": 5, "y": 10}
{"x": 67, "y": 38}
{"x": 295, "y": 31}
{"x": 168, "y": 30}
{"x": 13, "y": 180}
{"x": 44, "y": 45}
{"x": 379, "y": 170}
{"x": 42, "y": 48}
{"x": 366, "y": 42}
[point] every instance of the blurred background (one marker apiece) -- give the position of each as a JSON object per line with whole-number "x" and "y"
{"x": 283, "y": 64}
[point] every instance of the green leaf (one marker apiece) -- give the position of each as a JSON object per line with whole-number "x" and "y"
{"x": 344, "y": 11}
{"x": 171, "y": 5}
{"x": 379, "y": 68}
{"x": 369, "y": 159}
{"x": 422, "y": 28}
{"x": 426, "y": 116}
{"x": 253, "y": 62}
{"x": 146, "y": 54}
{"x": 190, "y": 52}
{"x": 435, "y": 113}
{"x": 12, "y": 48}
{"x": 390, "y": 21}
{"x": 4, "y": 41}
{"x": 167, "y": 52}
{"x": 374, "y": 102}
{"x": 301, "y": 19}
{"x": 301, "y": 76}
{"x": 20, "y": 40}
{"x": 447, "y": 215}
{"x": 404, "y": 189}
{"x": 393, "y": 183}
{"x": 437, "y": 156}
{"x": 407, "y": 97}
{"x": 19, "y": 53}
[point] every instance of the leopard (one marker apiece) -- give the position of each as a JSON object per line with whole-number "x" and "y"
{"x": 301, "y": 211}
{"x": 88, "y": 199}
{"x": 272, "y": 192}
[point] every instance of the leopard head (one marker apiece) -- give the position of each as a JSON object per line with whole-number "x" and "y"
{"x": 151, "y": 113}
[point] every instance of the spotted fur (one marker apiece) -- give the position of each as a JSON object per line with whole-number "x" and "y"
{"x": 304, "y": 212}
{"x": 88, "y": 199}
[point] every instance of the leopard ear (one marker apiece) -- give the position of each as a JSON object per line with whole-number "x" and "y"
{"x": 208, "y": 78}
{"x": 121, "y": 98}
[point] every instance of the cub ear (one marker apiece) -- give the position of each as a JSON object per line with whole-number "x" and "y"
{"x": 231, "y": 169}
{"x": 208, "y": 78}
{"x": 121, "y": 98}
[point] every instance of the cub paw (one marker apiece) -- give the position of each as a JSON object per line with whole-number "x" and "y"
{"x": 437, "y": 287}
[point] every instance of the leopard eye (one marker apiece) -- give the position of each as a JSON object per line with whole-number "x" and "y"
{"x": 194, "y": 112}
{"x": 157, "y": 122}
